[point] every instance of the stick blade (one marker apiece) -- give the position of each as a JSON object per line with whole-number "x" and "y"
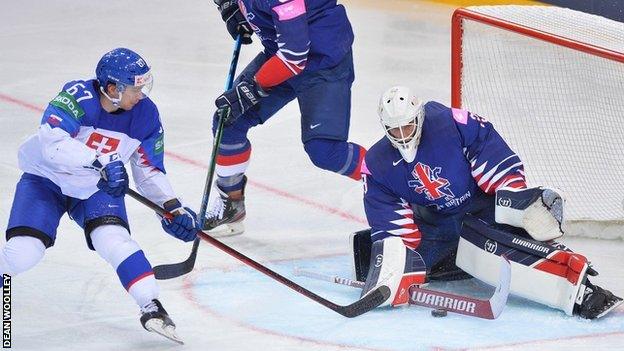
{"x": 174, "y": 270}
{"x": 371, "y": 301}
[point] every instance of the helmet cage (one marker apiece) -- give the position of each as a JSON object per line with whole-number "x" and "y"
{"x": 399, "y": 109}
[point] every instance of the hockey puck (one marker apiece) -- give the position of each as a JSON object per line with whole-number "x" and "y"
{"x": 439, "y": 312}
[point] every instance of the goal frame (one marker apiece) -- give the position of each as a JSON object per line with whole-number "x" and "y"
{"x": 605, "y": 229}
{"x": 457, "y": 32}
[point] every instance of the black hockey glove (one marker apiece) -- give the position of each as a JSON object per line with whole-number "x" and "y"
{"x": 235, "y": 21}
{"x": 239, "y": 99}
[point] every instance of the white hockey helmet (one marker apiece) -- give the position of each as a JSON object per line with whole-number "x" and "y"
{"x": 399, "y": 109}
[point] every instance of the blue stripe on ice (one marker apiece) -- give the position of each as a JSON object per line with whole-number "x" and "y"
{"x": 254, "y": 299}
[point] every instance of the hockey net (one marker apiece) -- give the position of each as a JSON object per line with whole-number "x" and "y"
{"x": 551, "y": 80}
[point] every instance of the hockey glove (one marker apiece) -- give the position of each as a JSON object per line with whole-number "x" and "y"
{"x": 234, "y": 19}
{"x": 114, "y": 179}
{"x": 183, "y": 225}
{"x": 239, "y": 99}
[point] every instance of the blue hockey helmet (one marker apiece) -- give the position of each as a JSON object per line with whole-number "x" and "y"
{"x": 124, "y": 67}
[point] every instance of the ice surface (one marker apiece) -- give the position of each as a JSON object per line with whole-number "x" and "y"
{"x": 297, "y": 214}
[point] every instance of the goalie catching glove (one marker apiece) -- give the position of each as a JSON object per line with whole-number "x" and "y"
{"x": 538, "y": 210}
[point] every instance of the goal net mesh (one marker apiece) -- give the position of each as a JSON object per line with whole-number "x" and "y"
{"x": 561, "y": 109}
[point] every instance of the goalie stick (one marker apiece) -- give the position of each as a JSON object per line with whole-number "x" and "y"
{"x": 174, "y": 270}
{"x": 361, "y": 306}
{"x": 487, "y": 309}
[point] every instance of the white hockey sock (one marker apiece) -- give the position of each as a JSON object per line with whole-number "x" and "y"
{"x": 20, "y": 254}
{"x": 144, "y": 291}
{"x": 114, "y": 244}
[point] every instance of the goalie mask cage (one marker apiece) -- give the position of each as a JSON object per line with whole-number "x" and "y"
{"x": 551, "y": 80}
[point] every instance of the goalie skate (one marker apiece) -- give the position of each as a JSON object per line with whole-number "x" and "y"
{"x": 155, "y": 319}
{"x": 596, "y": 302}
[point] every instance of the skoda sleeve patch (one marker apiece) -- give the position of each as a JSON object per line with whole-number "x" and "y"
{"x": 68, "y": 103}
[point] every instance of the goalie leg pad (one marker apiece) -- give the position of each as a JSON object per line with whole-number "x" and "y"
{"x": 361, "y": 244}
{"x": 396, "y": 266}
{"x": 539, "y": 211}
{"x": 540, "y": 272}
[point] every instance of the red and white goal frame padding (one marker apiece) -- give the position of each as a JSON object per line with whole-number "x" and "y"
{"x": 551, "y": 80}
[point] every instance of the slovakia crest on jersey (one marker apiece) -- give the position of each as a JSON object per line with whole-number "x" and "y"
{"x": 428, "y": 180}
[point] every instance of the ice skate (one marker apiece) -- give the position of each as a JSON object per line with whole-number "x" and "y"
{"x": 155, "y": 319}
{"x": 227, "y": 215}
{"x": 597, "y": 302}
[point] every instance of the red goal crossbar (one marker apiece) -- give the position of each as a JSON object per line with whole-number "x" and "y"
{"x": 457, "y": 34}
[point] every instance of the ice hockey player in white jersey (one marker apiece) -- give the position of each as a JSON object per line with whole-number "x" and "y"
{"x": 75, "y": 164}
{"x": 443, "y": 190}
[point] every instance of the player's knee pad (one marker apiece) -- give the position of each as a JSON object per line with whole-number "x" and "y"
{"x": 20, "y": 254}
{"x": 95, "y": 223}
{"x": 540, "y": 272}
{"x": 334, "y": 155}
{"x": 538, "y": 210}
{"x": 396, "y": 266}
{"x": 32, "y": 232}
{"x": 113, "y": 243}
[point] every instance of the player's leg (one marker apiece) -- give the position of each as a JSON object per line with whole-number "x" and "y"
{"x": 105, "y": 224}
{"x": 438, "y": 249}
{"x": 37, "y": 207}
{"x": 325, "y": 103}
{"x": 235, "y": 152}
{"x": 540, "y": 272}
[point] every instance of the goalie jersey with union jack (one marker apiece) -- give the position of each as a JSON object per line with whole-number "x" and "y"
{"x": 460, "y": 158}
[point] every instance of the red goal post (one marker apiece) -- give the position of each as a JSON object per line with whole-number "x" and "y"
{"x": 551, "y": 80}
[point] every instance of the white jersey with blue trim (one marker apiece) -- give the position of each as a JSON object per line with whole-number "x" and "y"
{"x": 459, "y": 155}
{"x": 75, "y": 129}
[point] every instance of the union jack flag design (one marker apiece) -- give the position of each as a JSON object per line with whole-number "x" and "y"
{"x": 428, "y": 180}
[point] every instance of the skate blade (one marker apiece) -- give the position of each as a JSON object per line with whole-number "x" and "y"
{"x": 615, "y": 305}
{"x": 228, "y": 229}
{"x": 156, "y": 326}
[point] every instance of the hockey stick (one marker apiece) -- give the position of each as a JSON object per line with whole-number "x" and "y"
{"x": 486, "y": 309}
{"x": 363, "y": 305}
{"x": 173, "y": 270}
